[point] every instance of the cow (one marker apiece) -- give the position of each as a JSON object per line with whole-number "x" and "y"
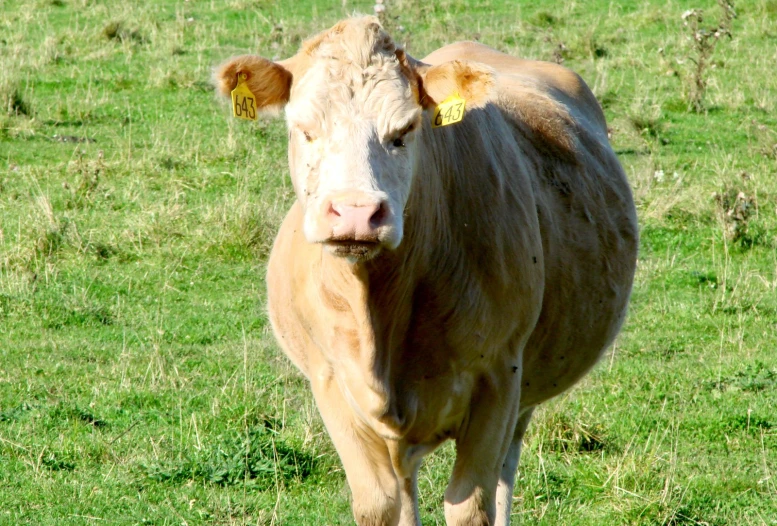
{"x": 439, "y": 282}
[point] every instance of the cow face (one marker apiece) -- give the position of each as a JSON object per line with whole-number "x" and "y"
{"x": 354, "y": 104}
{"x": 352, "y": 142}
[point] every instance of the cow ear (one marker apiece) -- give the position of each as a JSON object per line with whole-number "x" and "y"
{"x": 473, "y": 81}
{"x": 270, "y": 82}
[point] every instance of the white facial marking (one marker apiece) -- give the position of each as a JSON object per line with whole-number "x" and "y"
{"x": 351, "y": 147}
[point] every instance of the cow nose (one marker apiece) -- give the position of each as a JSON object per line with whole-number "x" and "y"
{"x": 357, "y": 222}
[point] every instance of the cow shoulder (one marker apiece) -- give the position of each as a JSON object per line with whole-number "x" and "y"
{"x": 286, "y": 284}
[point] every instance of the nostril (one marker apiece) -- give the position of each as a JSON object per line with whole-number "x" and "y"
{"x": 376, "y": 219}
{"x": 357, "y": 218}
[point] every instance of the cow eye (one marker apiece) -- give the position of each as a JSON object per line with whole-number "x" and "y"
{"x": 399, "y": 141}
{"x": 308, "y": 137}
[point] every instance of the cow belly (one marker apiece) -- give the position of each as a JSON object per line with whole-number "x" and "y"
{"x": 583, "y": 309}
{"x": 562, "y": 351}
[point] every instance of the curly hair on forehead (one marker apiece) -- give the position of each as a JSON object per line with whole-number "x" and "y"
{"x": 358, "y": 40}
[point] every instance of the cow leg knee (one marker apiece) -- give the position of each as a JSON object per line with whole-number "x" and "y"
{"x": 374, "y": 490}
{"x": 504, "y": 491}
{"x": 374, "y": 487}
{"x": 375, "y": 508}
{"x": 468, "y": 503}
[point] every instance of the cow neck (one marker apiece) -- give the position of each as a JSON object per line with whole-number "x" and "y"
{"x": 381, "y": 293}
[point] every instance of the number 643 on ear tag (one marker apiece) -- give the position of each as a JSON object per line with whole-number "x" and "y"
{"x": 449, "y": 111}
{"x": 243, "y": 101}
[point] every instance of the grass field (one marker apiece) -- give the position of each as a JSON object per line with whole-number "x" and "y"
{"x": 139, "y": 381}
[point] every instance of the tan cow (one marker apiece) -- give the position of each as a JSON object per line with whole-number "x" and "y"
{"x": 439, "y": 283}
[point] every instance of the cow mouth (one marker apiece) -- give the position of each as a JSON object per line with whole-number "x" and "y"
{"x": 350, "y": 248}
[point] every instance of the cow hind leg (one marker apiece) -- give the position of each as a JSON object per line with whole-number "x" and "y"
{"x": 406, "y": 465}
{"x": 409, "y": 496}
{"x": 504, "y": 491}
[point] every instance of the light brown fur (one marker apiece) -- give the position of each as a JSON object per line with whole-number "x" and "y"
{"x": 512, "y": 278}
{"x": 269, "y": 82}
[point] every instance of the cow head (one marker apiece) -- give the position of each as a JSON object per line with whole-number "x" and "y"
{"x": 354, "y": 106}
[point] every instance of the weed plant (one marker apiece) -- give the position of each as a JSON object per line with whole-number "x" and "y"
{"x": 703, "y": 42}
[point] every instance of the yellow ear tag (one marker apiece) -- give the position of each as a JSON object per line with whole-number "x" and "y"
{"x": 449, "y": 111}
{"x": 243, "y": 101}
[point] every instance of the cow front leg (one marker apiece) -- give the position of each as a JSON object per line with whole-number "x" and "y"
{"x": 481, "y": 449}
{"x": 365, "y": 457}
{"x": 504, "y": 491}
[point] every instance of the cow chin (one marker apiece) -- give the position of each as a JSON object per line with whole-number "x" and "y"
{"x": 354, "y": 251}
{"x": 363, "y": 248}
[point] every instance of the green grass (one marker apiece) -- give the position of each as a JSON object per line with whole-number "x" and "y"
{"x": 139, "y": 381}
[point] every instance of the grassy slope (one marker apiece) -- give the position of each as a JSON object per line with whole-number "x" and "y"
{"x": 138, "y": 379}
